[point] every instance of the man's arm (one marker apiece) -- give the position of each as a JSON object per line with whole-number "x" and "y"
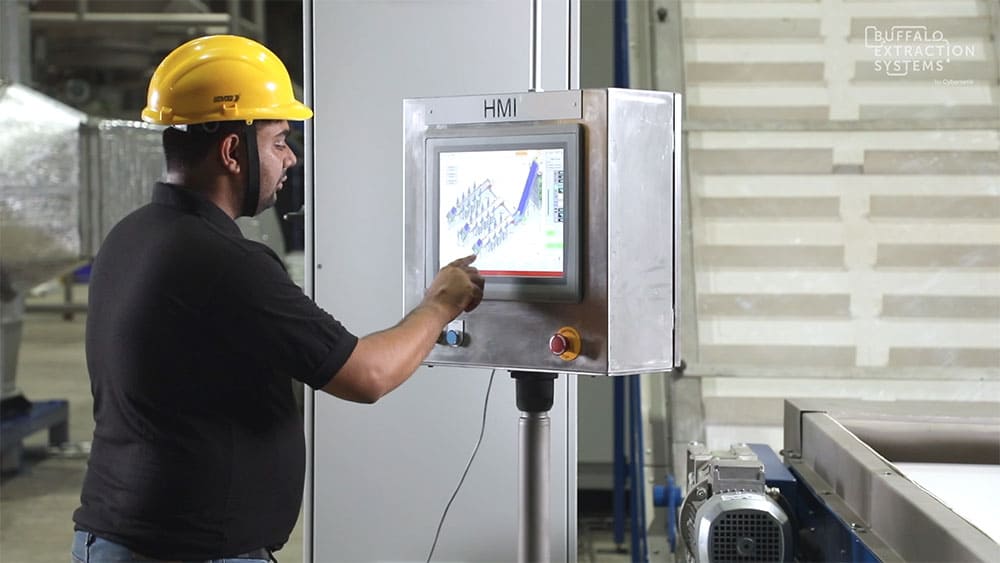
{"x": 383, "y": 360}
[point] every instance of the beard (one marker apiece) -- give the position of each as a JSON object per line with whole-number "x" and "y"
{"x": 266, "y": 202}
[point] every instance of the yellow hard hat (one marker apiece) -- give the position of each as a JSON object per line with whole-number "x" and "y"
{"x": 221, "y": 78}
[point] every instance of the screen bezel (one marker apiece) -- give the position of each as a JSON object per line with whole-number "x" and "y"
{"x": 565, "y": 288}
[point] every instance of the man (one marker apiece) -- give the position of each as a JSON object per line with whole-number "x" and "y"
{"x": 194, "y": 332}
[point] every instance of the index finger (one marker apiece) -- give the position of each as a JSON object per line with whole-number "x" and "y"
{"x": 464, "y": 261}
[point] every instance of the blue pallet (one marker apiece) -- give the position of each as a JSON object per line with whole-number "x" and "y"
{"x": 44, "y": 415}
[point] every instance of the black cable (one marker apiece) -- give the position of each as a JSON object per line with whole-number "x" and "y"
{"x": 482, "y": 431}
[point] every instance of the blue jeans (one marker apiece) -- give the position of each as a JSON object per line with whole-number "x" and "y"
{"x": 88, "y": 548}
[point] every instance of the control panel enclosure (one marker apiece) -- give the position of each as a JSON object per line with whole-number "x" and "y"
{"x": 571, "y": 202}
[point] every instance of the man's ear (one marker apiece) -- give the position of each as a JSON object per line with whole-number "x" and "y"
{"x": 229, "y": 153}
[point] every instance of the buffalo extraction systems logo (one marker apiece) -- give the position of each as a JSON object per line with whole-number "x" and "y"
{"x": 904, "y": 49}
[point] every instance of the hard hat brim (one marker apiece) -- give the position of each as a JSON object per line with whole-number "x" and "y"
{"x": 290, "y": 112}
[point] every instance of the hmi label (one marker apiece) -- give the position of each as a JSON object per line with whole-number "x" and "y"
{"x": 499, "y": 108}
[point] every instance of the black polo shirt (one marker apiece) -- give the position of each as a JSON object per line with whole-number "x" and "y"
{"x": 193, "y": 336}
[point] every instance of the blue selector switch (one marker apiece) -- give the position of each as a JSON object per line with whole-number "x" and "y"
{"x": 454, "y": 333}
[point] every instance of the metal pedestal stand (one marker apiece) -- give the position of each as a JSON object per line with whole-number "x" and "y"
{"x": 534, "y": 400}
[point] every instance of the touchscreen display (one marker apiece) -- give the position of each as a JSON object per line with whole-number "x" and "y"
{"x": 505, "y": 206}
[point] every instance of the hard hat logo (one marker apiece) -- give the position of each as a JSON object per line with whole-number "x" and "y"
{"x": 221, "y": 63}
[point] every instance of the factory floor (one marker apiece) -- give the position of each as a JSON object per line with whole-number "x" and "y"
{"x": 37, "y": 502}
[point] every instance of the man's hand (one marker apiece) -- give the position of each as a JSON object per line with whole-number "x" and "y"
{"x": 383, "y": 360}
{"x": 457, "y": 287}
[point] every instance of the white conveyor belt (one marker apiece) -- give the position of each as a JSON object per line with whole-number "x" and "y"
{"x": 970, "y": 490}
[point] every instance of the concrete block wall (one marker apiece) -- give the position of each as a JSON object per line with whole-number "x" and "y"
{"x": 844, "y": 201}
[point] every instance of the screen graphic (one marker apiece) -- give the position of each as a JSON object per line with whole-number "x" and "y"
{"x": 505, "y": 206}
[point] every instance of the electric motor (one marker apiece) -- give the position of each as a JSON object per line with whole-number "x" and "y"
{"x": 729, "y": 513}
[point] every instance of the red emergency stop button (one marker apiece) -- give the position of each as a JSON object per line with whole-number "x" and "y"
{"x": 558, "y": 344}
{"x": 565, "y": 343}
